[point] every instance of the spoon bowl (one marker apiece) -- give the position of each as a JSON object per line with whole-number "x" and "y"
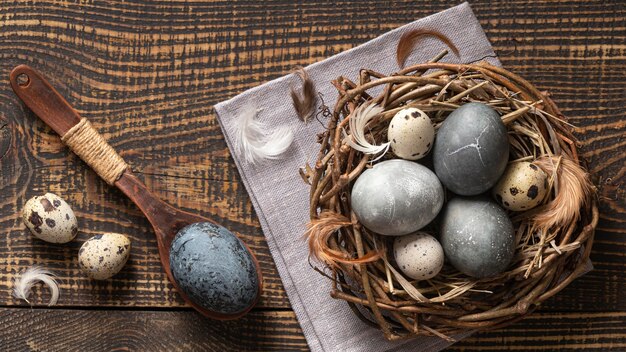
{"x": 213, "y": 270}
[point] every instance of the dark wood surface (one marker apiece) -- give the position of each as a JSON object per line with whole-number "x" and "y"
{"x": 147, "y": 74}
{"x": 50, "y": 107}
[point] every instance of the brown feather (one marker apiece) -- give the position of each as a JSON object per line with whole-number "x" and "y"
{"x": 318, "y": 233}
{"x": 573, "y": 190}
{"x": 304, "y": 103}
{"x": 409, "y": 39}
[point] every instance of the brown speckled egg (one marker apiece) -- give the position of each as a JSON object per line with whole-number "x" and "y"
{"x": 50, "y": 218}
{"x": 411, "y": 134}
{"x": 419, "y": 255}
{"x": 522, "y": 186}
{"x": 103, "y": 256}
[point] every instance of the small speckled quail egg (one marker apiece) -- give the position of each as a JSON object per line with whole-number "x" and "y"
{"x": 418, "y": 255}
{"x": 411, "y": 134}
{"x": 103, "y": 256}
{"x": 50, "y": 218}
{"x": 522, "y": 186}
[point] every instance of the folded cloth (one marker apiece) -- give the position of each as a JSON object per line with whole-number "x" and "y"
{"x": 281, "y": 198}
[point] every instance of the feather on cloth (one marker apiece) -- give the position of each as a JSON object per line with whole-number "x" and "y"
{"x": 255, "y": 143}
{"x": 305, "y": 106}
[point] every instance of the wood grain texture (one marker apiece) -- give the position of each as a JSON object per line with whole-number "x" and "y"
{"x": 120, "y": 330}
{"x": 147, "y": 74}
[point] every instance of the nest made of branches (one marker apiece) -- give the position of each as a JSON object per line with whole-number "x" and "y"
{"x": 553, "y": 240}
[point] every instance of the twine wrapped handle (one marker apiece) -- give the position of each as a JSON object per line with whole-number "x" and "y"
{"x": 76, "y": 132}
{"x": 90, "y": 146}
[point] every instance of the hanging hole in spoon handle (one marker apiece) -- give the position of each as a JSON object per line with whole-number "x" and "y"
{"x": 23, "y": 80}
{"x": 212, "y": 269}
{"x": 43, "y": 99}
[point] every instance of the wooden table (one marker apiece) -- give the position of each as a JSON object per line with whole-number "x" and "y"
{"x": 147, "y": 75}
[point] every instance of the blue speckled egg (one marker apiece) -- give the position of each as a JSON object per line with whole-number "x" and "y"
{"x": 396, "y": 197}
{"x": 477, "y": 236}
{"x": 471, "y": 149}
{"x": 214, "y": 268}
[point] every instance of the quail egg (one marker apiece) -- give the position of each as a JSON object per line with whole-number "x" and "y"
{"x": 50, "y": 218}
{"x": 419, "y": 255}
{"x": 522, "y": 186}
{"x": 103, "y": 256}
{"x": 411, "y": 134}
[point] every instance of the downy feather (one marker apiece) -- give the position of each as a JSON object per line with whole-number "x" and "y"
{"x": 305, "y": 105}
{"x": 409, "y": 39}
{"x": 255, "y": 143}
{"x": 357, "y": 124}
{"x": 26, "y": 280}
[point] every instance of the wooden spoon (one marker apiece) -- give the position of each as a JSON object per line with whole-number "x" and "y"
{"x": 166, "y": 220}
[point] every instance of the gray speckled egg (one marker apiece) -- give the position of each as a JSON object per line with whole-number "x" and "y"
{"x": 419, "y": 255}
{"x": 103, "y": 256}
{"x": 396, "y": 197}
{"x": 477, "y": 236}
{"x": 522, "y": 186}
{"x": 214, "y": 269}
{"x": 411, "y": 134}
{"x": 50, "y": 218}
{"x": 471, "y": 149}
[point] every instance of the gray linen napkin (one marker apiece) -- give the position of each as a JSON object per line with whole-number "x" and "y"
{"x": 280, "y": 197}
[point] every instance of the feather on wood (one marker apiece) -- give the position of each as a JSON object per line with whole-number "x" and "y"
{"x": 26, "y": 280}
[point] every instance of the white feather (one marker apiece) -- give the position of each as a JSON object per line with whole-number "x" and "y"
{"x": 26, "y": 280}
{"x": 255, "y": 143}
{"x": 357, "y": 123}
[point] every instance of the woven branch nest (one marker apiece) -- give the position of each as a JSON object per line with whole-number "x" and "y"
{"x": 553, "y": 240}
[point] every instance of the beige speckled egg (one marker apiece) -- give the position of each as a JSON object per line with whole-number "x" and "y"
{"x": 419, "y": 255}
{"x": 411, "y": 134}
{"x": 103, "y": 256}
{"x": 522, "y": 186}
{"x": 50, "y": 218}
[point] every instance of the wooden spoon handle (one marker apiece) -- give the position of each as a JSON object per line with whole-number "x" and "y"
{"x": 57, "y": 113}
{"x": 43, "y": 99}
{"x": 76, "y": 132}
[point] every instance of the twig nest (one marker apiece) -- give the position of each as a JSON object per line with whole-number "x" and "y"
{"x": 50, "y": 218}
{"x": 411, "y": 134}
{"x": 498, "y": 268}
{"x": 411, "y": 199}
{"x": 419, "y": 255}
{"x": 522, "y": 187}
{"x": 471, "y": 150}
{"x": 477, "y": 236}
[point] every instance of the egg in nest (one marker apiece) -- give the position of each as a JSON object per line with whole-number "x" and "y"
{"x": 419, "y": 255}
{"x": 522, "y": 186}
{"x": 411, "y": 134}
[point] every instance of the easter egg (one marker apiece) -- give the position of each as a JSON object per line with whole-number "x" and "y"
{"x": 396, "y": 197}
{"x": 50, "y": 218}
{"x": 477, "y": 236}
{"x": 103, "y": 256}
{"x": 522, "y": 186}
{"x": 471, "y": 149}
{"x": 411, "y": 134}
{"x": 419, "y": 255}
{"x": 214, "y": 269}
